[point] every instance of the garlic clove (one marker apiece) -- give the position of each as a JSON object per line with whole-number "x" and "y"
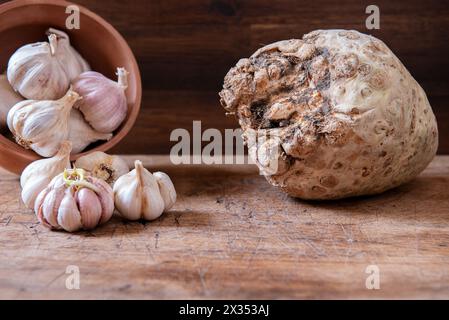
{"x": 50, "y": 206}
{"x": 104, "y": 103}
{"x": 89, "y": 207}
{"x": 106, "y": 198}
{"x": 103, "y": 166}
{"x": 130, "y": 207}
{"x": 38, "y": 207}
{"x": 153, "y": 204}
{"x": 39, "y": 174}
{"x": 137, "y": 195}
{"x": 8, "y": 98}
{"x": 42, "y": 125}
{"x": 35, "y": 72}
{"x": 39, "y": 202}
{"x": 69, "y": 217}
{"x": 81, "y": 134}
{"x": 166, "y": 188}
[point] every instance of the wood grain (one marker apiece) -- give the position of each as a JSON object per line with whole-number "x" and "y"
{"x": 231, "y": 236}
{"x": 185, "y": 48}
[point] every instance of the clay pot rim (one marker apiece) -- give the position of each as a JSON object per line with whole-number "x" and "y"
{"x": 12, "y": 151}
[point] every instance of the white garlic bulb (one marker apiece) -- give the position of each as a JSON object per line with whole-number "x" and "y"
{"x": 35, "y": 71}
{"x": 103, "y": 166}
{"x": 104, "y": 104}
{"x": 137, "y": 195}
{"x": 81, "y": 134}
{"x": 38, "y": 174}
{"x": 8, "y": 98}
{"x": 166, "y": 188}
{"x": 75, "y": 200}
{"x": 42, "y": 125}
{"x": 72, "y": 62}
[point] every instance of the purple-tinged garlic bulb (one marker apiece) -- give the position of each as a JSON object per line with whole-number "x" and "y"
{"x": 104, "y": 104}
{"x": 75, "y": 200}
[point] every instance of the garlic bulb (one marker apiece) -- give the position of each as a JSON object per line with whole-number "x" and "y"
{"x": 38, "y": 174}
{"x": 103, "y": 166}
{"x": 8, "y": 98}
{"x": 104, "y": 103}
{"x": 81, "y": 133}
{"x": 36, "y": 73}
{"x": 137, "y": 195}
{"x": 42, "y": 125}
{"x": 72, "y": 62}
{"x": 75, "y": 200}
{"x": 166, "y": 188}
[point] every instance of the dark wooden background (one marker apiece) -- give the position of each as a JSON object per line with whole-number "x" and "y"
{"x": 185, "y": 47}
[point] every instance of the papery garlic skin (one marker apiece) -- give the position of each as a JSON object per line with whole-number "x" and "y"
{"x": 104, "y": 104}
{"x": 137, "y": 195}
{"x": 8, "y": 98}
{"x": 39, "y": 173}
{"x": 74, "y": 200}
{"x": 81, "y": 134}
{"x": 35, "y": 71}
{"x": 42, "y": 125}
{"x": 166, "y": 188}
{"x": 72, "y": 62}
{"x": 103, "y": 166}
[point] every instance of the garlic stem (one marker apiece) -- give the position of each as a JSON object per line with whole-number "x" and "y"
{"x": 69, "y": 100}
{"x": 71, "y": 97}
{"x": 139, "y": 170}
{"x": 85, "y": 184}
{"x": 53, "y": 40}
{"x": 66, "y": 147}
{"x": 60, "y": 34}
{"x": 72, "y": 175}
{"x": 76, "y": 178}
{"x": 122, "y": 77}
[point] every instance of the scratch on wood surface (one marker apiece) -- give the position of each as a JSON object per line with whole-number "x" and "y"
{"x": 366, "y": 236}
{"x": 114, "y": 230}
{"x": 254, "y": 252}
{"x": 150, "y": 253}
{"x": 125, "y": 287}
{"x": 318, "y": 250}
{"x": 35, "y": 232}
{"x": 415, "y": 216}
{"x": 349, "y": 240}
{"x": 156, "y": 240}
{"x": 177, "y": 216}
{"x": 54, "y": 279}
{"x": 202, "y": 274}
{"x": 348, "y": 236}
{"x": 7, "y": 220}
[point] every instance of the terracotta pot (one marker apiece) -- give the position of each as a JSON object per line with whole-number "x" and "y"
{"x": 25, "y": 21}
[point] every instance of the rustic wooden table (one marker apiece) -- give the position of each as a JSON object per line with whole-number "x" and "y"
{"x": 232, "y": 236}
